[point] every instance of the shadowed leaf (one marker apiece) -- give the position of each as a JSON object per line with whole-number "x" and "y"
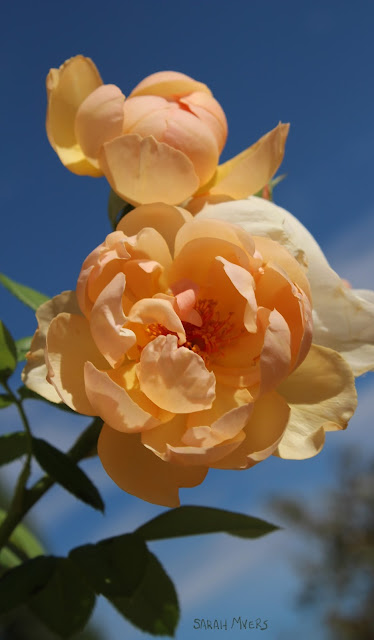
{"x": 64, "y": 471}
{"x": 190, "y": 521}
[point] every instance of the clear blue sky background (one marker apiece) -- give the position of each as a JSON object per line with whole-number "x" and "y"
{"x": 309, "y": 63}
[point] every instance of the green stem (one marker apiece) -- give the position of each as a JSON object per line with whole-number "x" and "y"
{"x": 16, "y": 505}
{"x": 24, "y": 499}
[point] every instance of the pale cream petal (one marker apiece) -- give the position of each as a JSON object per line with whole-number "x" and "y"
{"x": 343, "y": 318}
{"x": 168, "y": 84}
{"x": 137, "y": 470}
{"x": 34, "y": 375}
{"x": 143, "y": 170}
{"x": 67, "y": 87}
{"x": 249, "y": 171}
{"x": 175, "y": 378}
{"x": 99, "y": 119}
{"x": 322, "y": 397}
{"x": 107, "y": 322}
{"x": 119, "y": 405}
{"x": 69, "y": 347}
{"x": 166, "y": 219}
{"x": 263, "y": 432}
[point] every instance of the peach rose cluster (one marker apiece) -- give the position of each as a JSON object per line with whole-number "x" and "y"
{"x": 162, "y": 143}
{"x": 192, "y": 340}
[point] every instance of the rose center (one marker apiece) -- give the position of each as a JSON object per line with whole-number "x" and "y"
{"x": 211, "y": 338}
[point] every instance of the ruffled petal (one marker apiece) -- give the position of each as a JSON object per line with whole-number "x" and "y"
{"x": 175, "y": 378}
{"x": 135, "y": 469}
{"x": 209, "y": 111}
{"x": 322, "y": 397}
{"x": 117, "y": 399}
{"x": 199, "y": 229}
{"x": 168, "y": 84}
{"x": 107, "y": 322}
{"x": 275, "y": 358}
{"x": 143, "y": 170}
{"x": 275, "y": 290}
{"x": 67, "y": 88}
{"x": 99, "y": 119}
{"x": 34, "y": 375}
{"x": 166, "y": 219}
{"x": 263, "y": 433}
{"x": 243, "y": 282}
{"x": 343, "y": 318}
{"x": 249, "y": 171}
{"x": 158, "y": 311}
{"x": 69, "y": 347}
{"x": 205, "y": 436}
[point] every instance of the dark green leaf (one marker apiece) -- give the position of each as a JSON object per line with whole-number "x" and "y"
{"x": 21, "y": 545}
{"x": 27, "y": 394}
{"x": 113, "y": 567}
{"x": 23, "y": 346}
{"x": 192, "y": 521}
{"x": 18, "y": 585}
{"x": 28, "y": 296}
{"x": 66, "y": 601}
{"x": 8, "y": 353}
{"x": 24, "y": 540}
{"x": 117, "y": 208}
{"x": 154, "y": 605}
{"x": 5, "y": 400}
{"x": 64, "y": 471}
{"x": 8, "y": 559}
{"x": 12, "y": 446}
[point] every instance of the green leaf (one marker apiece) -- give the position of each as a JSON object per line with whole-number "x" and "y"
{"x": 192, "y": 521}
{"x": 5, "y": 400}
{"x": 8, "y": 559}
{"x": 66, "y": 601}
{"x": 27, "y": 394}
{"x": 113, "y": 567}
{"x": 117, "y": 208}
{"x": 28, "y": 296}
{"x": 12, "y": 446}
{"x": 154, "y": 605}
{"x": 64, "y": 471}
{"x": 18, "y": 585}
{"x": 21, "y": 545}
{"x": 23, "y": 346}
{"x": 8, "y": 353}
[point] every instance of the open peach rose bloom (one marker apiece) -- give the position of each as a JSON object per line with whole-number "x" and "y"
{"x": 161, "y": 143}
{"x": 193, "y": 340}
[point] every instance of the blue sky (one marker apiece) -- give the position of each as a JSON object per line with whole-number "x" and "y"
{"x": 307, "y": 63}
